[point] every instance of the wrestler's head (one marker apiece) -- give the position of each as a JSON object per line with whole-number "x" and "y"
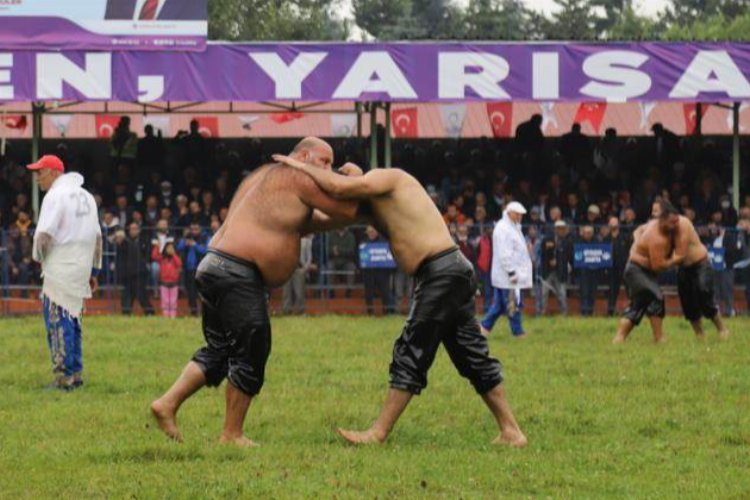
{"x": 314, "y": 151}
{"x": 666, "y": 214}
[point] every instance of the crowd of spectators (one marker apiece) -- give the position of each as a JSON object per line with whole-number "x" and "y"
{"x": 160, "y": 200}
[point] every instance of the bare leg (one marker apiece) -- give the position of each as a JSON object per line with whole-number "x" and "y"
{"x": 237, "y": 404}
{"x": 656, "y": 328}
{"x": 165, "y": 408}
{"x": 510, "y": 432}
{"x": 623, "y": 330}
{"x": 395, "y": 404}
{"x": 485, "y": 332}
{"x": 720, "y": 327}
{"x": 698, "y": 328}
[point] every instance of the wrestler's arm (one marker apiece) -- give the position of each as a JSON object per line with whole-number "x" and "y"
{"x": 331, "y": 213}
{"x": 374, "y": 183}
{"x": 321, "y": 222}
{"x": 681, "y": 244}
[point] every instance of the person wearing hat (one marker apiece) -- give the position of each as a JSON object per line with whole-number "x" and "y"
{"x": 68, "y": 245}
{"x": 511, "y": 270}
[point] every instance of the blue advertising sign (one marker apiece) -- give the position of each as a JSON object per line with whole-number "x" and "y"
{"x": 717, "y": 258}
{"x": 592, "y": 255}
{"x": 376, "y": 256}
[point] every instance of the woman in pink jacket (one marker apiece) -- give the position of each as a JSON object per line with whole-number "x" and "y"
{"x": 170, "y": 267}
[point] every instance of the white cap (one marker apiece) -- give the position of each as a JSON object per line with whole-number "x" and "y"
{"x": 515, "y": 207}
{"x": 560, "y": 223}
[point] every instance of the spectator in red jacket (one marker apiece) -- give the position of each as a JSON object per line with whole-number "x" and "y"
{"x": 484, "y": 265}
{"x": 170, "y": 266}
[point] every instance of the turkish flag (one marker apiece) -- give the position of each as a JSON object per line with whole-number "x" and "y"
{"x": 404, "y": 122}
{"x": 286, "y": 117}
{"x": 208, "y": 126}
{"x": 15, "y": 121}
{"x": 106, "y": 125}
{"x": 592, "y": 112}
{"x": 500, "y": 115}
{"x": 690, "y": 111}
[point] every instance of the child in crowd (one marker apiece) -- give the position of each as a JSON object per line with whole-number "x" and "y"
{"x": 170, "y": 266}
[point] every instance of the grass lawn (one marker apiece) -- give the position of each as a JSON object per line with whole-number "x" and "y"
{"x": 636, "y": 420}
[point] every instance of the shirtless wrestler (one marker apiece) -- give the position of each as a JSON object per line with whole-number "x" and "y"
{"x": 256, "y": 248}
{"x": 442, "y": 302}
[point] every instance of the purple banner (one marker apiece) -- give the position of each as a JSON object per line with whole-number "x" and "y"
{"x": 401, "y": 72}
{"x": 103, "y": 24}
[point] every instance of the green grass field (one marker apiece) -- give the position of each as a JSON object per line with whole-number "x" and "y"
{"x": 637, "y": 420}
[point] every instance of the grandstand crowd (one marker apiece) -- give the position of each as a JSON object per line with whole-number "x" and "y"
{"x": 161, "y": 199}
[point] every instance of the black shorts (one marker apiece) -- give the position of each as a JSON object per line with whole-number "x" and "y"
{"x": 443, "y": 310}
{"x": 236, "y": 325}
{"x": 646, "y": 297}
{"x": 695, "y": 287}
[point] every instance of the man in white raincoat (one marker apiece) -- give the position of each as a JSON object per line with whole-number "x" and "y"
{"x": 68, "y": 245}
{"x": 511, "y": 270}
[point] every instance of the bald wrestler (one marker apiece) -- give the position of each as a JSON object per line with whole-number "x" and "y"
{"x": 695, "y": 284}
{"x": 650, "y": 254}
{"x": 443, "y": 309}
{"x": 256, "y": 248}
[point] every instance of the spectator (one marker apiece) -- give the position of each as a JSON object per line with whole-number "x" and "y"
{"x": 122, "y": 210}
{"x": 150, "y": 149}
{"x": 123, "y": 146}
{"x": 588, "y": 279}
{"x": 166, "y": 196}
{"x": 556, "y": 257}
{"x": 209, "y": 207}
{"x": 182, "y": 213}
{"x": 484, "y": 263}
{"x": 196, "y": 214}
{"x": 453, "y": 215}
{"x": 572, "y": 212}
{"x": 575, "y": 149}
{"x": 376, "y": 280}
{"x": 293, "y": 291}
{"x": 728, "y": 213}
{"x": 192, "y": 247}
{"x": 621, "y": 240}
{"x": 342, "y": 255}
{"x": 727, "y": 241}
{"x": 529, "y": 135}
{"x": 170, "y": 267}
{"x": 131, "y": 267}
{"x": 19, "y": 247}
{"x": 151, "y": 214}
{"x": 666, "y": 146}
{"x": 592, "y": 215}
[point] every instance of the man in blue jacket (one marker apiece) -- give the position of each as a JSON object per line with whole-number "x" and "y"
{"x": 192, "y": 248}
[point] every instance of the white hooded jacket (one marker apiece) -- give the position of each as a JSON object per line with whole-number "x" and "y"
{"x": 510, "y": 255}
{"x": 69, "y": 216}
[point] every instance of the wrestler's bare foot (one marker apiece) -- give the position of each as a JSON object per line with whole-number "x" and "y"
{"x": 700, "y": 337}
{"x": 361, "y": 437}
{"x": 485, "y": 332}
{"x": 514, "y": 438}
{"x": 166, "y": 420}
{"x": 619, "y": 339}
{"x": 660, "y": 340}
{"x": 240, "y": 441}
{"x": 724, "y": 334}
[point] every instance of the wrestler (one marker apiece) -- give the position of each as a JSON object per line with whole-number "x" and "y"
{"x": 443, "y": 309}
{"x": 256, "y": 248}
{"x": 695, "y": 285}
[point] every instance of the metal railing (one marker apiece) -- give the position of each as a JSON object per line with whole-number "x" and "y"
{"x": 346, "y": 284}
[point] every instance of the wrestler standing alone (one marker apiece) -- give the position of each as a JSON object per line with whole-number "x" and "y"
{"x": 443, "y": 308}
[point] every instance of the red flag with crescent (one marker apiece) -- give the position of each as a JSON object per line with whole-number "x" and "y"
{"x": 286, "y": 117}
{"x": 208, "y": 126}
{"x": 404, "y": 122}
{"x": 592, "y": 112}
{"x": 18, "y": 122}
{"x": 500, "y": 115}
{"x": 106, "y": 125}
{"x": 690, "y": 111}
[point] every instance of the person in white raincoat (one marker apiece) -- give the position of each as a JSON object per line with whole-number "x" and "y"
{"x": 68, "y": 245}
{"x": 511, "y": 270}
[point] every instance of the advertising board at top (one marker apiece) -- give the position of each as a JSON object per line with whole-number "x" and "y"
{"x": 103, "y": 24}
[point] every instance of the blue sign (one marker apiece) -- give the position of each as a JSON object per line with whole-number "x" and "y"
{"x": 592, "y": 255}
{"x": 717, "y": 258}
{"x": 376, "y": 255}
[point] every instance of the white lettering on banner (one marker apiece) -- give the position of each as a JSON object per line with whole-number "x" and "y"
{"x": 288, "y": 79}
{"x": 389, "y": 80}
{"x": 619, "y": 69}
{"x": 453, "y": 78}
{"x": 94, "y": 81}
{"x": 545, "y": 76}
{"x": 712, "y": 71}
{"x": 150, "y": 88}
{"x": 6, "y": 61}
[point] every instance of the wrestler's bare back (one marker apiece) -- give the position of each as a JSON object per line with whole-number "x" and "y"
{"x": 410, "y": 220}
{"x": 650, "y": 246}
{"x": 266, "y": 218}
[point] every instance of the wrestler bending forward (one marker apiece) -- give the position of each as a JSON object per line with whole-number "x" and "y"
{"x": 442, "y": 301}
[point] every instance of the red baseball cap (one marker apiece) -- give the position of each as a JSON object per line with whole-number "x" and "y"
{"x": 48, "y": 161}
